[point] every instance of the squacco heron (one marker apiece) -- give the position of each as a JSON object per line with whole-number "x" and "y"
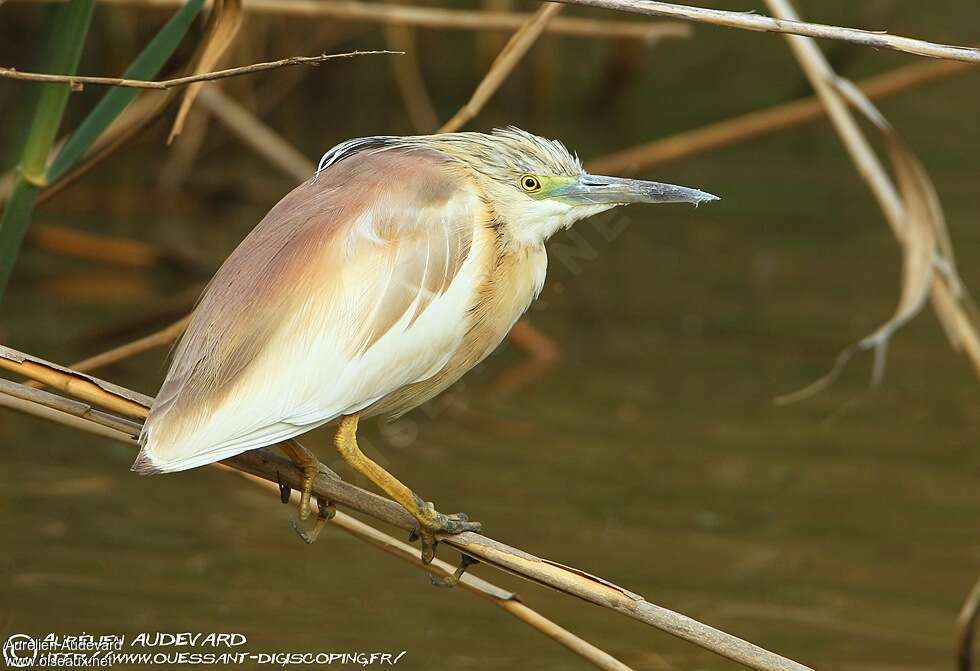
{"x": 368, "y": 290}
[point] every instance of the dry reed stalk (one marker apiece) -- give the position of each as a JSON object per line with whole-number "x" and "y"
{"x": 223, "y": 25}
{"x": 765, "y": 122}
{"x": 768, "y": 24}
{"x": 508, "y": 58}
{"x": 912, "y": 210}
{"x": 80, "y": 80}
{"x": 70, "y": 420}
{"x": 105, "y": 394}
{"x": 263, "y": 463}
{"x": 439, "y": 569}
{"x": 440, "y": 18}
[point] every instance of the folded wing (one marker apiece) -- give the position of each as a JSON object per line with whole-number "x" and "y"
{"x": 354, "y": 285}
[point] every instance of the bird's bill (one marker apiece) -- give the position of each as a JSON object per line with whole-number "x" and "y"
{"x": 599, "y": 190}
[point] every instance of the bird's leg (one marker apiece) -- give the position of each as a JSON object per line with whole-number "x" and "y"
{"x": 325, "y": 512}
{"x": 465, "y": 561}
{"x": 307, "y": 462}
{"x": 311, "y": 467}
{"x": 430, "y": 520}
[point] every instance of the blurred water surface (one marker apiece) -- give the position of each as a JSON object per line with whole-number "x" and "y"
{"x": 842, "y": 531}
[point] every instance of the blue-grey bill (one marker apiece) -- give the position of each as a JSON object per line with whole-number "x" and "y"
{"x": 621, "y": 191}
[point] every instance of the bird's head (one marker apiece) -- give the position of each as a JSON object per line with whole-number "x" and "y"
{"x": 538, "y": 187}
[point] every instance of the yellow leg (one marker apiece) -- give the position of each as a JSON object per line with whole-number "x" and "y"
{"x": 310, "y": 465}
{"x": 430, "y": 520}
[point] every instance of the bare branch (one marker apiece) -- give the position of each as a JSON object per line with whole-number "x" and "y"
{"x": 767, "y": 24}
{"x": 78, "y": 81}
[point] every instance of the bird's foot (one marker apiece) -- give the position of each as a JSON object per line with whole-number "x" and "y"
{"x": 432, "y": 522}
{"x": 311, "y": 467}
{"x": 465, "y": 561}
{"x": 307, "y": 462}
{"x": 325, "y": 512}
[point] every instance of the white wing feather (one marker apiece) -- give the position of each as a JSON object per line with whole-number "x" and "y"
{"x": 383, "y": 306}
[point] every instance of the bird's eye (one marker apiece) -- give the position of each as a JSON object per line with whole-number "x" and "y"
{"x": 530, "y": 183}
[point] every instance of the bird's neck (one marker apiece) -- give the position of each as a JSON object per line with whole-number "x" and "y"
{"x": 528, "y": 226}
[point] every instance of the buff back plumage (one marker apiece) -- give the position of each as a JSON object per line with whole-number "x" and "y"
{"x": 398, "y": 225}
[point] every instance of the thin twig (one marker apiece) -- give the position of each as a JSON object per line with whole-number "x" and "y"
{"x": 761, "y": 123}
{"x": 441, "y": 18}
{"x": 503, "y": 65}
{"x": 75, "y": 81}
{"x": 269, "y": 466}
{"x": 768, "y": 24}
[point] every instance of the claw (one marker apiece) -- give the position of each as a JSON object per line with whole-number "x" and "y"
{"x": 432, "y": 522}
{"x": 304, "y": 499}
{"x": 429, "y": 543}
{"x": 465, "y": 561}
{"x": 325, "y": 512}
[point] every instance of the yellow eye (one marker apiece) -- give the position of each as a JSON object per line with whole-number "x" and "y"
{"x": 530, "y": 183}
